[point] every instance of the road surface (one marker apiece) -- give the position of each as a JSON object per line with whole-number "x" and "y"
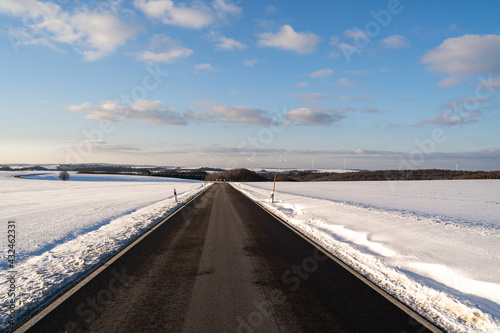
{"x": 225, "y": 265}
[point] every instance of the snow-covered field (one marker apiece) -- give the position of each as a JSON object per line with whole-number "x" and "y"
{"x": 102, "y": 178}
{"x": 435, "y": 245}
{"x": 64, "y": 229}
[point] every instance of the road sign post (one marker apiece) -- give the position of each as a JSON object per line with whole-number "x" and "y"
{"x": 274, "y": 187}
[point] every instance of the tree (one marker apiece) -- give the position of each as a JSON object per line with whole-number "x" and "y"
{"x": 64, "y": 175}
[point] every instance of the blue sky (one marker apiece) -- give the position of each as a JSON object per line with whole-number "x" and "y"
{"x": 381, "y": 84}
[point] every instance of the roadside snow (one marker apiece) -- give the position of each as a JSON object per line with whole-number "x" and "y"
{"x": 64, "y": 229}
{"x": 435, "y": 245}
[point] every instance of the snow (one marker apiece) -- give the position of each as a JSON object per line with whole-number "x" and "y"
{"x": 102, "y": 177}
{"x": 64, "y": 229}
{"x": 434, "y": 245}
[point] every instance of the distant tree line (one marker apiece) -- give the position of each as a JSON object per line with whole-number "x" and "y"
{"x": 236, "y": 175}
{"x": 26, "y": 168}
{"x": 174, "y": 173}
{"x": 379, "y": 175}
{"x": 188, "y": 174}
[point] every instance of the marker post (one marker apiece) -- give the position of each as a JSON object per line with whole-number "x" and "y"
{"x": 274, "y": 187}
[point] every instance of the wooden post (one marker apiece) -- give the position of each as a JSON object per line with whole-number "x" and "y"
{"x": 274, "y": 186}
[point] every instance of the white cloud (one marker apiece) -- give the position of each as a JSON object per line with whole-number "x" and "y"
{"x": 302, "y": 84}
{"x": 289, "y": 40}
{"x": 449, "y": 81}
{"x": 103, "y": 32}
{"x": 346, "y": 83}
{"x": 450, "y": 118}
{"x": 151, "y": 112}
{"x": 353, "y": 98}
{"x": 155, "y": 8}
{"x": 468, "y": 54}
{"x": 360, "y": 72}
{"x": 163, "y": 49}
{"x": 165, "y": 57}
{"x": 250, "y": 62}
{"x": 195, "y": 16}
{"x": 311, "y": 100}
{"x": 144, "y": 105}
{"x": 370, "y": 109}
{"x": 94, "y": 33}
{"x": 203, "y": 67}
{"x": 107, "y": 110}
{"x": 348, "y": 109}
{"x": 321, "y": 73}
{"x": 84, "y": 107}
{"x": 357, "y": 35}
{"x": 235, "y": 114}
{"x": 308, "y": 116}
{"x": 225, "y": 43}
{"x": 222, "y": 7}
{"x": 395, "y": 42}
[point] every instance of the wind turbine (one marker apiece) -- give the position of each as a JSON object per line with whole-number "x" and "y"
{"x": 456, "y": 167}
{"x": 250, "y": 163}
{"x": 345, "y": 162}
{"x": 284, "y": 162}
{"x": 312, "y": 164}
{"x": 252, "y": 160}
{"x": 279, "y": 162}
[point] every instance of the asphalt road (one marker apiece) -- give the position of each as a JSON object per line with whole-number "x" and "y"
{"x": 225, "y": 265}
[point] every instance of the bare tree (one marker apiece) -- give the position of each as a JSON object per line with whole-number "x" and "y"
{"x": 64, "y": 175}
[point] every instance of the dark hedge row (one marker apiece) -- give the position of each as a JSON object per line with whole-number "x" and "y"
{"x": 381, "y": 175}
{"x": 236, "y": 175}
